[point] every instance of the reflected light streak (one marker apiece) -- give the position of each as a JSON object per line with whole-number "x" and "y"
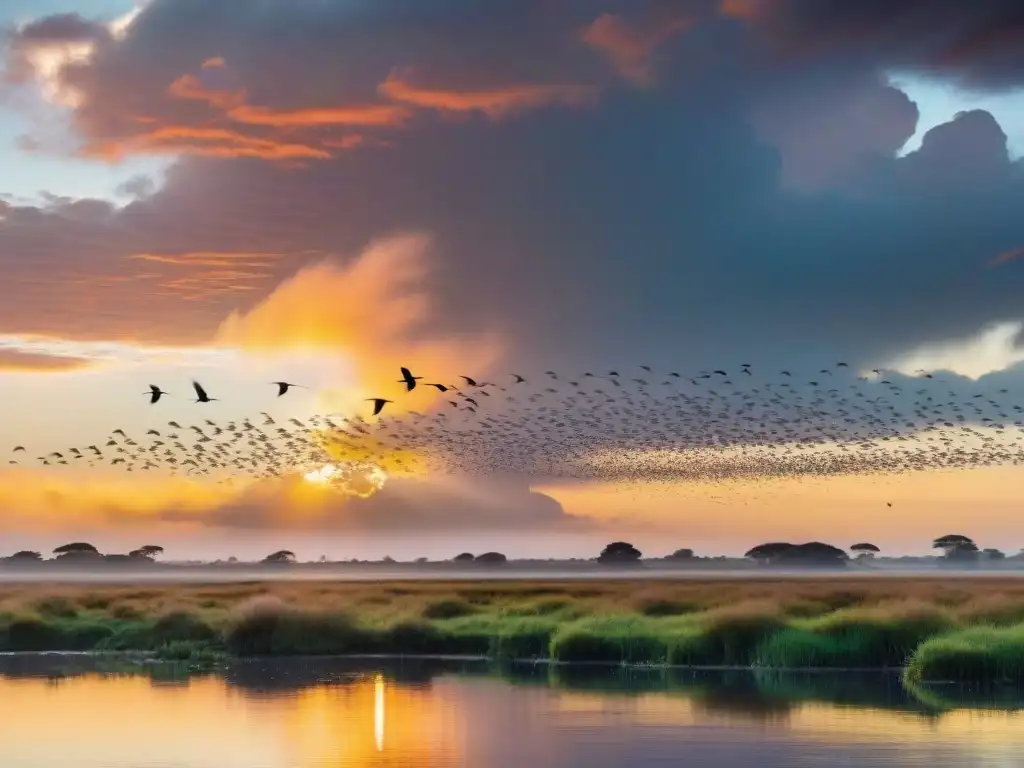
{"x": 378, "y": 712}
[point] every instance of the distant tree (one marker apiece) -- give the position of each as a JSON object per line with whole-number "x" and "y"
{"x": 765, "y": 553}
{"x": 813, "y": 553}
{"x": 619, "y": 553}
{"x": 322, "y": 559}
{"x": 422, "y": 560}
{"x": 387, "y": 559}
{"x": 491, "y": 558}
{"x": 121, "y": 559}
{"x": 465, "y": 557}
{"x": 280, "y": 557}
{"x": 26, "y": 555}
{"x": 957, "y": 548}
{"x": 993, "y": 554}
{"x": 76, "y": 548}
{"x": 147, "y": 552}
{"x": 865, "y": 550}
{"x": 232, "y": 559}
{"x": 681, "y": 554}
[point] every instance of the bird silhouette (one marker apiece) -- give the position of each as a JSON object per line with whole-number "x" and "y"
{"x": 408, "y": 379}
{"x": 378, "y": 404}
{"x": 284, "y": 386}
{"x": 201, "y": 396}
{"x": 155, "y": 393}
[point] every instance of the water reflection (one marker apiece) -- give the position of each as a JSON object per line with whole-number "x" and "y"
{"x": 415, "y": 714}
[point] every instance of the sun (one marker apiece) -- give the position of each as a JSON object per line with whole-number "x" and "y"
{"x": 350, "y": 478}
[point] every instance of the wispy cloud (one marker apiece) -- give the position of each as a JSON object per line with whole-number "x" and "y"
{"x": 497, "y": 102}
{"x": 66, "y": 353}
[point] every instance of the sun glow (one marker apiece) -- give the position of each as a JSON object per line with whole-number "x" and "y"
{"x": 352, "y": 478}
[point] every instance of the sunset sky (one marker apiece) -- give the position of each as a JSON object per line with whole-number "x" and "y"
{"x": 321, "y": 192}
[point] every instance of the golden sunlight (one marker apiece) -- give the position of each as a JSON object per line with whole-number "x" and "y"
{"x": 352, "y": 478}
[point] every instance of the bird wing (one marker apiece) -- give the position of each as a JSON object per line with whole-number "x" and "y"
{"x": 199, "y": 389}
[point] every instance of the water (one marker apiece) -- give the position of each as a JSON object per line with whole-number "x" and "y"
{"x": 61, "y": 712}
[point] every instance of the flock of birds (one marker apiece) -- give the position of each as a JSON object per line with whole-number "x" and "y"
{"x": 638, "y": 425}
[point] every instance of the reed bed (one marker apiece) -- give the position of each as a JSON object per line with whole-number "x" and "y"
{"x": 968, "y": 629}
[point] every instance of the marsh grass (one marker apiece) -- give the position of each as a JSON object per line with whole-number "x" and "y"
{"x": 964, "y": 631}
{"x": 982, "y": 653}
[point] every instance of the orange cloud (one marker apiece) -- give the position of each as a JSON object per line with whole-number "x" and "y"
{"x": 369, "y": 311}
{"x": 213, "y": 274}
{"x": 498, "y": 102}
{"x": 208, "y": 142}
{"x": 360, "y": 115}
{"x": 631, "y": 49}
{"x": 1014, "y": 254}
{"x": 11, "y": 360}
{"x": 189, "y": 87}
{"x": 748, "y": 10}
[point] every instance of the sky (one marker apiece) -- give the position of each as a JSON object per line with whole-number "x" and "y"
{"x": 321, "y": 192}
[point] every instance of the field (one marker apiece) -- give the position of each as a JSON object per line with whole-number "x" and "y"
{"x": 969, "y": 629}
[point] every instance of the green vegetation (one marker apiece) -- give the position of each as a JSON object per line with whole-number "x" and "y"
{"x": 969, "y": 630}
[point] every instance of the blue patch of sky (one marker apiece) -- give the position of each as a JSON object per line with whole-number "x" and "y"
{"x": 26, "y": 174}
{"x": 938, "y": 102}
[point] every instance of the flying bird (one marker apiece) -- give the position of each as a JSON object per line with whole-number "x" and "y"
{"x": 519, "y": 379}
{"x": 409, "y": 380}
{"x": 440, "y": 387}
{"x": 284, "y": 386}
{"x": 201, "y": 396}
{"x": 378, "y": 404}
{"x": 469, "y": 381}
{"x": 155, "y": 393}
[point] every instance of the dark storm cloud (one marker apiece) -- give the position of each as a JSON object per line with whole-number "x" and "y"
{"x": 978, "y": 43}
{"x": 738, "y": 204}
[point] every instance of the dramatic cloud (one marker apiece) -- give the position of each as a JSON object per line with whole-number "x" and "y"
{"x": 373, "y": 312}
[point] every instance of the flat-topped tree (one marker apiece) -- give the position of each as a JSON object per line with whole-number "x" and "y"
{"x": 281, "y": 557}
{"x": 865, "y": 549}
{"x": 955, "y": 546}
{"x": 465, "y": 557}
{"x": 26, "y": 556}
{"x": 76, "y": 548}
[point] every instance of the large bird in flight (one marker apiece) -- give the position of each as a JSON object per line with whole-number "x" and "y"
{"x": 408, "y": 379}
{"x": 284, "y": 386}
{"x": 155, "y": 393}
{"x": 201, "y": 396}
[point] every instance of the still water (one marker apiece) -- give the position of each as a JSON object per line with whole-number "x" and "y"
{"x": 92, "y": 713}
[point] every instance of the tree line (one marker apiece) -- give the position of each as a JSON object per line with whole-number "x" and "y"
{"x": 956, "y": 549}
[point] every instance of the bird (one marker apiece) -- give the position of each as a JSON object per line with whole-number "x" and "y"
{"x": 519, "y": 379}
{"x": 19, "y": 448}
{"x": 155, "y": 393}
{"x": 471, "y": 382}
{"x": 201, "y": 396}
{"x": 378, "y": 404}
{"x": 440, "y": 387}
{"x": 284, "y": 386}
{"x": 408, "y": 379}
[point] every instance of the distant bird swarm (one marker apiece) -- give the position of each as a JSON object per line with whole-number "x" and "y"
{"x": 611, "y": 426}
